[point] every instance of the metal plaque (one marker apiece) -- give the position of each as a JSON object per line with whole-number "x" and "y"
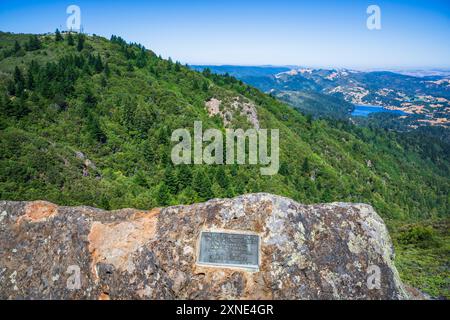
{"x": 229, "y": 249}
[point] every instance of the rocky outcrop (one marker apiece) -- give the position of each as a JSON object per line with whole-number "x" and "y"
{"x": 228, "y": 109}
{"x": 327, "y": 251}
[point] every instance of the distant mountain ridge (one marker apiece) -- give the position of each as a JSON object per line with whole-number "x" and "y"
{"x": 424, "y": 100}
{"x": 242, "y": 71}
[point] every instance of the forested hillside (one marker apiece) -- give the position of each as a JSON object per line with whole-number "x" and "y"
{"x": 88, "y": 121}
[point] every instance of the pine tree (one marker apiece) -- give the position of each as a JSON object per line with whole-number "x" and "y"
{"x": 202, "y": 185}
{"x": 19, "y": 81}
{"x": 216, "y": 190}
{"x": 148, "y": 151}
{"x": 141, "y": 60}
{"x": 206, "y": 72}
{"x": 188, "y": 196}
{"x": 222, "y": 179}
{"x": 98, "y": 64}
{"x": 284, "y": 169}
{"x": 305, "y": 166}
{"x": 195, "y": 85}
{"x": 70, "y": 40}
{"x": 58, "y": 36}
{"x": 89, "y": 99}
{"x": 17, "y": 47}
{"x": 80, "y": 44}
{"x": 140, "y": 179}
{"x": 18, "y": 77}
{"x": 107, "y": 70}
{"x": 95, "y": 130}
{"x": 184, "y": 177}
{"x": 239, "y": 188}
{"x": 171, "y": 180}
{"x": 163, "y": 196}
{"x": 11, "y": 88}
{"x": 30, "y": 80}
{"x": 34, "y": 67}
{"x": 20, "y": 107}
{"x": 33, "y": 43}
{"x": 130, "y": 67}
{"x": 205, "y": 86}
{"x": 104, "y": 82}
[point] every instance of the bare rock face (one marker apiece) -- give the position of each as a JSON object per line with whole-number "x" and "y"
{"x": 329, "y": 251}
{"x": 228, "y": 109}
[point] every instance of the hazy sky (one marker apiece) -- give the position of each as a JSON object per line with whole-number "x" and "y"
{"x": 414, "y": 33}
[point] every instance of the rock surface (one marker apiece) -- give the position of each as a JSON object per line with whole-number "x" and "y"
{"x": 228, "y": 109}
{"x": 328, "y": 251}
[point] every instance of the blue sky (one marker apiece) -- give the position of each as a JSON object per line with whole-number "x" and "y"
{"x": 414, "y": 33}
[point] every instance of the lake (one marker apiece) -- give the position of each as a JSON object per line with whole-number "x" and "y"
{"x": 365, "y": 110}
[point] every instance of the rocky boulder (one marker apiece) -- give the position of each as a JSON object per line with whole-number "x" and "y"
{"x": 326, "y": 251}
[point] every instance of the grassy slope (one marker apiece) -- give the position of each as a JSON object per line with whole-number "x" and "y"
{"x": 137, "y": 110}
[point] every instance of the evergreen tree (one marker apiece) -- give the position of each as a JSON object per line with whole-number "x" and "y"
{"x": 239, "y": 187}
{"x": 89, "y": 99}
{"x": 81, "y": 40}
{"x": 171, "y": 180}
{"x": 141, "y": 60}
{"x": 205, "y": 86}
{"x": 58, "y": 36}
{"x": 17, "y": 47}
{"x": 284, "y": 169}
{"x": 70, "y": 40}
{"x": 98, "y": 64}
{"x": 140, "y": 179}
{"x": 216, "y": 190}
{"x": 207, "y": 72}
{"x": 148, "y": 151}
{"x": 195, "y": 85}
{"x": 222, "y": 178}
{"x": 202, "y": 185}
{"x": 94, "y": 129}
{"x": 305, "y": 166}
{"x": 34, "y": 68}
{"x": 163, "y": 196}
{"x": 19, "y": 81}
{"x": 33, "y": 43}
{"x": 20, "y": 108}
{"x": 18, "y": 77}
{"x": 184, "y": 177}
{"x": 107, "y": 70}
{"x": 130, "y": 67}
{"x": 11, "y": 88}
{"x": 104, "y": 82}
{"x": 30, "y": 80}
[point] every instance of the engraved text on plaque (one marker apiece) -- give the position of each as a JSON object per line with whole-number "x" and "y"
{"x": 229, "y": 249}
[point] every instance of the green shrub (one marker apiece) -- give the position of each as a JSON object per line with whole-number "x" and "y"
{"x": 418, "y": 235}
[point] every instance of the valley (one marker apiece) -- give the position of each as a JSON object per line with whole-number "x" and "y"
{"x": 419, "y": 101}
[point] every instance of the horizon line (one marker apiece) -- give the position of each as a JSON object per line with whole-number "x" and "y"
{"x": 268, "y": 65}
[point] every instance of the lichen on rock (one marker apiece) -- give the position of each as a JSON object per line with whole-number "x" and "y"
{"x": 228, "y": 108}
{"x": 327, "y": 251}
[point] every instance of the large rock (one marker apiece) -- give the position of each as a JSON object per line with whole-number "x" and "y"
{"x": 327, "y": 251}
